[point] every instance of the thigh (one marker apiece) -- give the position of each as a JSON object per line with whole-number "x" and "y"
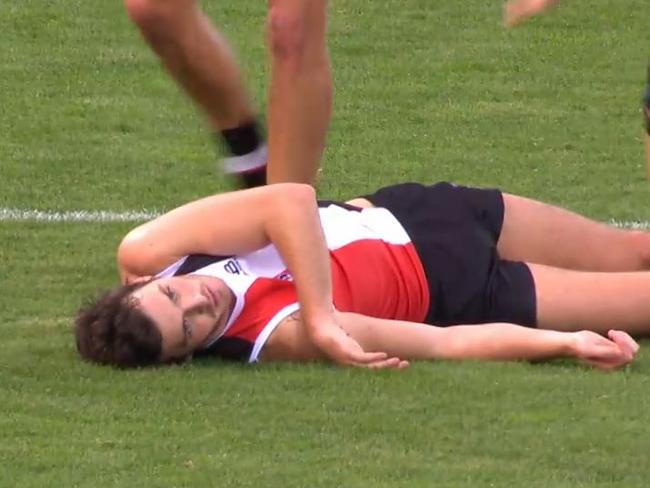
{"x": 570, "y": 300}
{"x": 540, "y": 233}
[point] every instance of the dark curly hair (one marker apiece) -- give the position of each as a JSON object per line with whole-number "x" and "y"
{"x": 112, "y": 330}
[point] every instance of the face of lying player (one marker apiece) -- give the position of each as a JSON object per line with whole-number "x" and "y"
{"x": 188, "y": 310}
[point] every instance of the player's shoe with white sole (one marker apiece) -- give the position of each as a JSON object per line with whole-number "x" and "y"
{"x": 248, "y": 170}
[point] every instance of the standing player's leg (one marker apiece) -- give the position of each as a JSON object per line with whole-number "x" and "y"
{"x": 300, "y": 94}
{"x": 536, "y": 232}
{"x": 201, "y": 62}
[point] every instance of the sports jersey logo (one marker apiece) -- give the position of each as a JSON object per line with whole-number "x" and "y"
{"x": 232, "y": 266}
{"x": 284, "y": 276}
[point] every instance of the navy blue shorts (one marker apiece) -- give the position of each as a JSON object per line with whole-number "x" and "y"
{"x": 455, "y": 230}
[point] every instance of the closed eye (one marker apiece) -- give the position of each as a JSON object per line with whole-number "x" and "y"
{"x": 169, "y": 293}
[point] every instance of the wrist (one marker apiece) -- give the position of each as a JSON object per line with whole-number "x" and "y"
{"x": 314, "y": 318}
{"x": 571, "y": 344}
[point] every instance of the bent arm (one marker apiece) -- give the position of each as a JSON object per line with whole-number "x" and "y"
{"x": 284, "y": 214}
{"x": 238, "y": 223}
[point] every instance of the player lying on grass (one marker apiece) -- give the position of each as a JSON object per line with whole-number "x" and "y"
{"x": 356, "y": 283}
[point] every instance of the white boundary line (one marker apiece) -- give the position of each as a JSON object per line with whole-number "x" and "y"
{"x": 33, "y": 215}
{"x": 99, "y": 216}
{"x": 634, "y": 224}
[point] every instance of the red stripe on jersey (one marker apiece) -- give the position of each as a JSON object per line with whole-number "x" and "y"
{"x": 369, "y": 277}
{"x": 379, "y": 279}
{"x": 265, "y": 298}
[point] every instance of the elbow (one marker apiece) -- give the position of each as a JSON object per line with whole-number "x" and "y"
{"x": 286, "y": 200}
{"x": 450, "y": 350}
{"x": 299, "y": 194}
{"x": 453, "y": 344}
{"x": 127, "y": 258}
{"x": 304, "y": 192}
{"x": 131, "y": 252}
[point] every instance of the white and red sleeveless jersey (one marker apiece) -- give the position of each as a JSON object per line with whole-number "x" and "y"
{"x": 375, "y": 271}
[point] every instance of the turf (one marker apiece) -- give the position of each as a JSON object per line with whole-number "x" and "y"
{"x": 425, "y": 91}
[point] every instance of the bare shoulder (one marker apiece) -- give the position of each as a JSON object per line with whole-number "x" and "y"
{"x": 289, "y": 342}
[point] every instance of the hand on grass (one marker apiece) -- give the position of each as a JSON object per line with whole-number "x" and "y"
{"x": 603, "y": 353}
{"x": 342, "y": 349}
{"x": 517, "y": 11}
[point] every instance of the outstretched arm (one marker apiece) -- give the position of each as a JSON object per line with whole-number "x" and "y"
{"x": 496, "y": 341}
{"x": 240, "y": 222}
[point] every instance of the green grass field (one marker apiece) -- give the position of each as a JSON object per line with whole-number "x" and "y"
{"x": 425, "y": 91}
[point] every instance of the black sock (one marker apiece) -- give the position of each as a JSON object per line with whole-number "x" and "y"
{"x": 243, "y": 139}
{"x": 251, "y": 179}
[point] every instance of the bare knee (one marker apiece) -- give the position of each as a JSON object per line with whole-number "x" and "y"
{"x": 150, "y": 15}
{"x": 287, "y": 34}
{"x": 638, "y": 243}
{"x": 622, "y": 250}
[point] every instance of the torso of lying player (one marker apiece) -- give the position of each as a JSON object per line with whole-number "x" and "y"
{"x": 249, "y": 299}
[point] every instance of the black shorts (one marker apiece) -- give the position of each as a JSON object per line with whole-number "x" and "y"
{"x": 455, "y": 230}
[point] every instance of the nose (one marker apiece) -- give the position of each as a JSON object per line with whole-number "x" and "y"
{"x": 196, "y": 300}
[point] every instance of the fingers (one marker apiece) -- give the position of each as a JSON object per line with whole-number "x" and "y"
{"x": 609, "y": 365}
{"x": 624, "y": 340}
{"x": 618, "y": 351}
{"x": 366, "y": 357}
{"x": 390, "y": 363}
{"x": 348, "y": 352}
{"x": 377, "y": 360}
{"x": 606, "y": 351}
